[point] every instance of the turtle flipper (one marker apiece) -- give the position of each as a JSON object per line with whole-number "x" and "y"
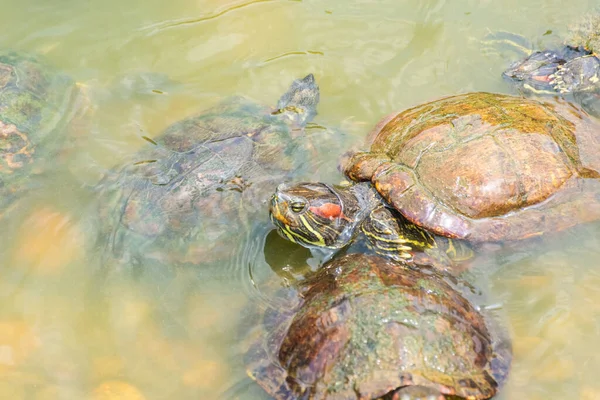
{"x": 576, "y": 75}
{"x": 417, "y": 393}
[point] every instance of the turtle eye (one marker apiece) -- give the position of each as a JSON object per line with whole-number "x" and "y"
{"x": 298, "y": 206}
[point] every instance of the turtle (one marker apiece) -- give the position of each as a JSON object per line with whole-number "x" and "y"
{"x": 367, "y": 327}
{"x": 37, "y": 101}
{"x": 475, "y": 169}
{"x": 43, "y": 111}
{"x": 338, "y": 217}
{"x": 183, "y": 199}
{"x": 573, "y": 68}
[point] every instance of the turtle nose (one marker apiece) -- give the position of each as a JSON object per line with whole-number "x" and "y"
{"x": 310, "y": 78}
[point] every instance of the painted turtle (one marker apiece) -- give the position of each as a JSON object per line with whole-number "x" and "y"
{"x": 365, "y": 327}
{"x": 478, "y": 167}
{"x": 179, "y": 201}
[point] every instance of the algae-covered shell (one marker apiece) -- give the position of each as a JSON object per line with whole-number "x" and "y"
{"x": 35, "y": 105}
{"x": 585, "y": 33}
{"x": 486, "y": 167}
{"x": 367, "y": 327}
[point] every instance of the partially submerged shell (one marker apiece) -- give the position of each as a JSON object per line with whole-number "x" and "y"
{"x": 184, "y": 199}
{"x": 585, "y": 33}
{"x": 35, "y": 100}
{"x": 486, "y": 167}
{"x": 367, "y": 326}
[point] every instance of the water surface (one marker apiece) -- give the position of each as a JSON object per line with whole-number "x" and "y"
{"x": 72, "y": 326}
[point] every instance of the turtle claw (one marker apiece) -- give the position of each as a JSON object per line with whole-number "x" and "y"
{"x": 557, "y": 80}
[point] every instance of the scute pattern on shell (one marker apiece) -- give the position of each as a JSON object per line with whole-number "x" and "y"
{"x": 186, "y": 197}
{"x": 486, "y": 167}
{"x": 367, "y": 326}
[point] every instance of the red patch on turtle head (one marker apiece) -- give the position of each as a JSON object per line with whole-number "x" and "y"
{"x": 328, "y": 210}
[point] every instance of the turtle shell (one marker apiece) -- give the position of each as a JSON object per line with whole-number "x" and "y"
{"x": 585, "y": 34}
{"x": 34, "y": 103}
{"x": 180, "y": 199}
{"x": 367, "y": 326}
{"x": 486, "y": 167}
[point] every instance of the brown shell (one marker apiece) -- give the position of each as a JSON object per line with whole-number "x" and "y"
{"x": 368, "y": 326}
{"x": 486, "y": 167}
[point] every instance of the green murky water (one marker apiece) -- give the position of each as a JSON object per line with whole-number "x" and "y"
{"x": 73, "y": 327}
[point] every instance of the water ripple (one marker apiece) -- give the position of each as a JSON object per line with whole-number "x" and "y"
{"x": 164, "y": 25}
{"x": 294, "y": 53}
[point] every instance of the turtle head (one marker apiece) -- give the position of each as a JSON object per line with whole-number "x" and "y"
{"x": 314, "y": 214}
{"x": 535, "y": 73}
{"x": 299, "y": 103}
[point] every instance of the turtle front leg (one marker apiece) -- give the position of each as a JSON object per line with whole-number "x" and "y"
{"x": 417, "y": 393}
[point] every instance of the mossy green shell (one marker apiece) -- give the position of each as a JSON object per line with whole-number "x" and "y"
{"x": 34, "y": 104}
{"x": 585, "y": 33}
{"x": 486, "y": 167}
{"x": 366, "y": 326}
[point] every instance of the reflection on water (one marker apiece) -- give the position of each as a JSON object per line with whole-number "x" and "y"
{"x": 73, "y": 326}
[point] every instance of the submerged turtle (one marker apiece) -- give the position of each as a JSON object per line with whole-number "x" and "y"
{"x": 181, "y": 198}
{"x": 479, "y": 167}
{"x": 36, "y": 102}
{"x": 370, "y": 328}
{"x": 41, "y": 111}
{"x": 571, "y": 69}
